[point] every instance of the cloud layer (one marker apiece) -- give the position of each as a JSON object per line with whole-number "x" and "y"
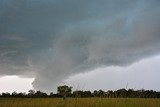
{"x": 51, "y": 40}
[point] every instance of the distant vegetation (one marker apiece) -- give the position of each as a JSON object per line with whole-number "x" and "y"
{"x": 80, "y": 98}
{"x": 66, "y": 91}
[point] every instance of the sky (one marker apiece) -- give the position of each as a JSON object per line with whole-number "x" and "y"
{"x": 143, "y": 74}
{"x": 49, "y": 42}
{"x": 140, "y": 75}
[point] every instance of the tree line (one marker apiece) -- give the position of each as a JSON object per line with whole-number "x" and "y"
{"x": 66, "y": 91}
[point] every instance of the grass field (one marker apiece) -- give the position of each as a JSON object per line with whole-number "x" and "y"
{"x": 79, "y": 102}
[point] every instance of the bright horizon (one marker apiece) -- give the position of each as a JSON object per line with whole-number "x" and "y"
{"x": 89, "y": 80}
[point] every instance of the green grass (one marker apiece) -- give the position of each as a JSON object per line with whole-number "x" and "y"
{"x": 79, "y": 102}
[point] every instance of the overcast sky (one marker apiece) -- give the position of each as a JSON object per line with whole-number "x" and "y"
{"x": 140, "y": 75}
{"x": 106, "y": 41}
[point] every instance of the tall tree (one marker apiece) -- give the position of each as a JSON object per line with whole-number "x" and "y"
{"x": 64, "y": 91}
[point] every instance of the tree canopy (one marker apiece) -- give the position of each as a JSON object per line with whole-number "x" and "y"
{"x": 66, "y": 91}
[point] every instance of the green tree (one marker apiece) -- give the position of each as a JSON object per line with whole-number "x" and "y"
{"x": 31, "y": 93}
{"x": 64, "y": 91}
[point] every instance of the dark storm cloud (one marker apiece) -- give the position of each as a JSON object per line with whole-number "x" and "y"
{"x": 53, "y": 39}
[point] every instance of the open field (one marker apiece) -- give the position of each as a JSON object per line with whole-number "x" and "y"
{"x": 79, "y": 102}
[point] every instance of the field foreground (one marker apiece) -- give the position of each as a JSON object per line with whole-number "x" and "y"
{"x": 79, "y": 102}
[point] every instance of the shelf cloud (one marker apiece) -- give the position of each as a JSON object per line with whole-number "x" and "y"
{"x": 51, "y": 40}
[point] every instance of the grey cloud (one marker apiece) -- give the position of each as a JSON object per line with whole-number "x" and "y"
{"x": 51, "y": 40}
